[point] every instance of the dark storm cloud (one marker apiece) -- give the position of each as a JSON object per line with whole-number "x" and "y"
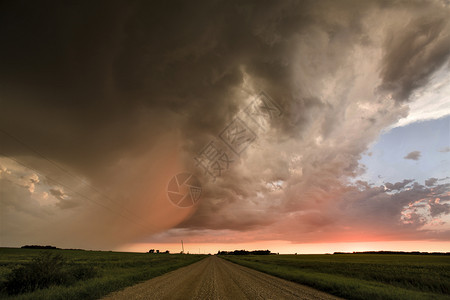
{"x": 121, "y": 93}
{"x": 96, "y": 71}
{"x": 416, "y": 49}
{"x": 85, "y": 84}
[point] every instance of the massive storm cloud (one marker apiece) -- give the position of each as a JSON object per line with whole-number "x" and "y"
{"x": 103, "y": 103}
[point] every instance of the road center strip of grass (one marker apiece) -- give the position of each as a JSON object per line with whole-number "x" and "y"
{"x": 358, "y": 276}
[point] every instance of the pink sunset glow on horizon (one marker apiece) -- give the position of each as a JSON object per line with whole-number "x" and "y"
{"x": 283, "y": 247}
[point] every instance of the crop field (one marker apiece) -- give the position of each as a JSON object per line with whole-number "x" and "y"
{"x": 360, "y": 276}
{"x": 78, "y": 274}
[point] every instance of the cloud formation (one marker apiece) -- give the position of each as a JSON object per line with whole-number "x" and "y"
{"x": 121, "y": 96}
{"x": 431, "y": 181}
{"x": 445, "y": 149}
{"x": 414, "y": 155}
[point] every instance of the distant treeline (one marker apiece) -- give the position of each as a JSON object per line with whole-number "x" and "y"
{"x": 157, "y": 251}
{"x": 48, "y": 247}
{"x": 38, "y": 247}
{"x": 396, "y": 252}
{"x": 245, "y": 252}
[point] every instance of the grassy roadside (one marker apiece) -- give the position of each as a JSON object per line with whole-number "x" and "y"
{"x": 360, "y": 276}
{"x": 113, "y": 271}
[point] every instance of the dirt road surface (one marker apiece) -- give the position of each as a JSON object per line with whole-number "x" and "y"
{"x": 216, "y": 278}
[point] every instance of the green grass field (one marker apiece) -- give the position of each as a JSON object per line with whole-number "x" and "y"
{"x": 360, "y": 276}
{"x": 113, "y": 271}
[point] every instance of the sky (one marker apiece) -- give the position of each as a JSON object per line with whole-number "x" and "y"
{"x": 294, "y": 126}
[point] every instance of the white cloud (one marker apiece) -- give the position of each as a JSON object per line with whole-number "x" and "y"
{"x": 431, "y": 101}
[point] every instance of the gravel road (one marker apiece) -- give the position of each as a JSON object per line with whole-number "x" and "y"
{"x": 216, "y": 278}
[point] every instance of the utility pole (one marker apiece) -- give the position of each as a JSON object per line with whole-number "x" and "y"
{"x": 182, "y": 247}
